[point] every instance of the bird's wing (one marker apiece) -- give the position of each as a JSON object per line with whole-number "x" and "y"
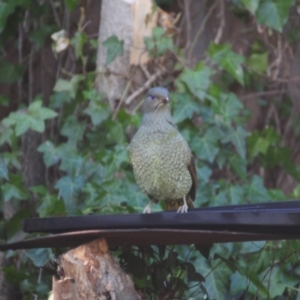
{"x": 171, "y": 123}
{"x": 192, "y": 170}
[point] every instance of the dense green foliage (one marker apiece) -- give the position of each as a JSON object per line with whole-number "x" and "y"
{"x": 88, "y": 169}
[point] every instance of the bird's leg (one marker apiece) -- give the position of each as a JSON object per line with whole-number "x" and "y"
{"x": 184, "y": 207}
{"x": 147, "y": 209}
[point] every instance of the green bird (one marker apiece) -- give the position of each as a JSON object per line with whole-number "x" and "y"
{"x": 162, "y": 161}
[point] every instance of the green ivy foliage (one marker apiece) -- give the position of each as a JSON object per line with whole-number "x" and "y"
{"x": 88, "y": 155}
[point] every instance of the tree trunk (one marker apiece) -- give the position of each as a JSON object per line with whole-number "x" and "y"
{"x": 130, "y": 21}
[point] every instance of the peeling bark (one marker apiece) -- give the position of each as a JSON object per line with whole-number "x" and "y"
{"x": 91, "y": 272}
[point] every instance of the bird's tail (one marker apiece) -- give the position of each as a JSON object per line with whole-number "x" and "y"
{"x": 175, "y": 204}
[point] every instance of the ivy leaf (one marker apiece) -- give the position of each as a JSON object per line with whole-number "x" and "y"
{"x": 71, "y": 4}
{"x": 51, "y": 154}
{"x": 40, "y": 256}
{"x": 254, "y": 247}
{"x": 5, "y": 10}
{"x": 251, "y": 5}
{"x": 206, "y": 114}
{"x": 58, "y": 99}
{"x": 98, "y": 112}
{"x": 281, "y": 156}
{"x": 258, "y": 62}
{"x": 228, "y": 60}
{"x": 159, "y": 42}
{"x": 70, "y": 86}
{"x": 39, "y": 35}
{"x": 26, "y": 123}
{"x": 238, "y": 282}
{"x": 255, "y": 190}
{"x": 197, "y": 80}
{"x": 97, "y": 109}
{"x": 184, "y": 108}
{"x": 257, "y": 144}
{"x": 8, "y": 8}
{"x": 78, "y": 41}
{"x": 237, "y": 138}
{"x": 114, "y": 48}
{"x": 279, "y": 285}
{"x": 33, "y": 118}
{"x": 12, "y": 158}
{"x": 274, "y": 13}
{"x": 4, "y": 100}
{"x": 12, "y": 274}
{"x": 73, "y": 129}
{"x": 235, "y": 193}
{"x": 3, "y": 169}
{"x": 221, "y": 198}
{"x": 6, "y": 136}
{"x": 238, "y": 165}
{"x": 35, "y": 110}
{"x": 228, "y": 106}
{"x": 116, "y": 132}
{"x": 72, "y": 164}
{"x": 260, "y": 143}
{"x": 12, "y": 191}
{"x": 205, "y": 147}
{"x": 93, "y": 95}
{"x": 116, "y": 158}
{"x": 68, "y": 188}
{"x": 192, "y": 274}
{"x": 10, "y": 73}
{"x": 217, "y": 279}
{"x": 62, "y": 85}
{"x": 14, "y": 224}
{"x": 204, "y": 173}
{"x": 204, "y": 249}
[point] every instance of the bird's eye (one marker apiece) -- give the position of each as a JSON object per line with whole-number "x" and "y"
{"x": 152, "y": 97}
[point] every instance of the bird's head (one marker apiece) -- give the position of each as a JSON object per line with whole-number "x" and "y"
{"x": 157, "y": 100}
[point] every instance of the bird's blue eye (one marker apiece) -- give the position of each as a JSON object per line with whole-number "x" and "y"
{"x": 152, "y": 97}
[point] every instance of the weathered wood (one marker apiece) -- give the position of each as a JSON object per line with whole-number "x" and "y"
{"x": 64, "y": 289}
{"x": 143, "y": 22}
{"x": 91, "y": 272}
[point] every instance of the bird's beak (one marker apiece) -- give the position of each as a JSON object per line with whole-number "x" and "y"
{"x": 166, "y": 100}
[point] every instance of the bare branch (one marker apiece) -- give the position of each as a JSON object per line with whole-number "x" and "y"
{"x": 187, "y": 4}
{"x": 222, "y": 23}
{"x": 56, "y": 18}
{"x": 121, "y": 100}
{"x": 144, "y": 87}
{"x": 265, "y": 93}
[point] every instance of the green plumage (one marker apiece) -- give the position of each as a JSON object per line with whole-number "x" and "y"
{"x": 159, "y": 154}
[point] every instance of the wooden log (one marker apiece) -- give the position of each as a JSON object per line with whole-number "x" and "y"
{"x": 64, "y": 289}
{"x": 90, "y": 272}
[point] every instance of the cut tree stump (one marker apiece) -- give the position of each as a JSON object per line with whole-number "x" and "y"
{"x": 90, "y": 272}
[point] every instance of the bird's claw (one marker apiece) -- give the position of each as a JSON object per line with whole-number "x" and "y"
{"x": 147, "y": 209}
{"x": 183, "y": 209}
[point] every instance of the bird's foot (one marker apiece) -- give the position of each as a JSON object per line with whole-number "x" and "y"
{"x": 147, "y": 209}
{"x": 184, "y": 207}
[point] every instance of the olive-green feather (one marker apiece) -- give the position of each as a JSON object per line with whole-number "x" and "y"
{"x": 162, "y": 161}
